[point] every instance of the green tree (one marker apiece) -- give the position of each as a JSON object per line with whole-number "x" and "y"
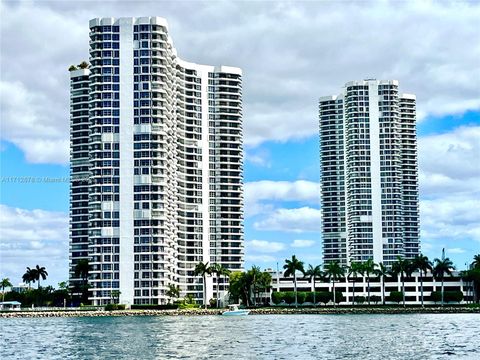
{"x": 40, "y": 273}
{"x": 173, "y": 291}
{"x": 203, "y": 270}
{"x": 291, "y": 267}
{"x": 354, "y": 270}
{"x": 223, "y": 272}
{"x": 255, "y": 274}
{"x": 83, "y": 65}
{"x": 82, "y": 271}
{"x": 422, "y": 264}
{"x": 72, "y": 68}
{"x": 216, "y": 269}
{"x": 334, "y": 271}
{"x": 238, "y": 288}
{"x": 264, "y": 282}
{"x": 475, "y": 275}
{"x": 368, "y": 269}
{"x": 5, "y": 284}
{"x": 402, "y": 267}
{"x": 476, "y": 262}
{"x": 442, "y": 267}
{"x": 382, "y": 271}
{"x": 396, "y": 296}
{"x": 29, "y": 276}
{"x": 313, "y": 273}
{"x": 115, "y": 294}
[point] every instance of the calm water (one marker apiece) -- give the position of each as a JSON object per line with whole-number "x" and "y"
{"x": 253, "y": 337}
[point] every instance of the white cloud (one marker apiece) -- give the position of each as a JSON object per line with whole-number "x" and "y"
{"x": 450, "y": 162}
{"x": 455, "y": 250}
{"x": 452, "y": 217}
{"x": 299, "y": 220}
{"x": 260, "y": 258}
{"x": 302, "y": 243}
{"x": 286, "y": 64}
{"x": 31, "y": 237}
{"x": 265, "y": 246}
{"x": 258, "y": 157}
{"x": 259, "y": 193}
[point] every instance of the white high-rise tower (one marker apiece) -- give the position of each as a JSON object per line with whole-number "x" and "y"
{"x": 369, "y": 173}
{"x": 160, "y": 142}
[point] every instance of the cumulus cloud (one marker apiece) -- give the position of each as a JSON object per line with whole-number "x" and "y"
{"x": 260, "y": 194}
{"x": 31, "y": 237}
{"x": 265, "y": 246}
{"x": 288, "y": 51}
{"x": 450, "y": 162}
{"x": 298, "y": 220}
{"x": 258, "y": 157}
{"x": 456, "y": 250}
{"x": 451, "y": 217}
{"x": 302, "y": 243}
{"x": 260, "y": 258}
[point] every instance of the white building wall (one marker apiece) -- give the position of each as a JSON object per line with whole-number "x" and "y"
{"x": 161, "y": 232}
{"x": 126, "y": 162}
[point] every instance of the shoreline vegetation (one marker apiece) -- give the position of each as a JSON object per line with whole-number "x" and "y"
{"x": 339, "y": 310}
{"x": 254, "y": 287}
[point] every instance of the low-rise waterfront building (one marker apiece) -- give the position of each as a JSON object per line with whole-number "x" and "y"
{"x": 413, "y": 285}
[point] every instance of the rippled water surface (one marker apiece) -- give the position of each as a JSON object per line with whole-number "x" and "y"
{"x": 452, "y": 336}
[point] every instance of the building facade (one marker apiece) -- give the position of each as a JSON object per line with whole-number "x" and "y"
{"x": 369, "y": 173}
{"x": 380, "y": 288}
{"x": 156, "y": 165}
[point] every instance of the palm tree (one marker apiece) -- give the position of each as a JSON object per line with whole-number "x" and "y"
{"x": 422, "y": 264}
{"x": 29, "y": 276}
{"x": 443, "y": 266}
{"x": 215, "y": 270}
{"x": 218, "y": 270}
{"x": 115, "y": 294}
{"x": 202, "y": 269}
{"x": 382, "y": 271}
{"x": 82, "y": 270}
{"x": 83, "y": 65}
{"x": 5, "y": 284}
{"x": 173, "y": 291}
{"x": 334, "y": 271}
{"x": 264, "y": 283}
{"x": 402, "y": 267}
{"x": 224, "y": 272}
{"x": 476, "y": 262}
{"x": 368, "y": 269}
{"x": 312, "y": 273}
{"x": 354, "y": 270}
{"x": 291, "y": 267}
{"x": 40, "y": 273}
{"x": 255, "y": 275}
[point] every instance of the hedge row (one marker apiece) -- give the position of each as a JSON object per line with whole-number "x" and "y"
{"x": 448, "y": 296}
{"x": 155, "y": 307}
{"x": 325, "y": 297}
{"x": 306, "y": 296}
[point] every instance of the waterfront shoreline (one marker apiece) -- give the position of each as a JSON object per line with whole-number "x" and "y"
{"x": 260, "y": 311}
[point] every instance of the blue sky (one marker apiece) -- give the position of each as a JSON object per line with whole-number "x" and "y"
{"x": 287, "y": 65}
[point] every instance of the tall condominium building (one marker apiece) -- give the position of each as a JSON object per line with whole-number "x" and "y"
{"x": 156, "y": 165}
{"x": 369, "y": 173}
